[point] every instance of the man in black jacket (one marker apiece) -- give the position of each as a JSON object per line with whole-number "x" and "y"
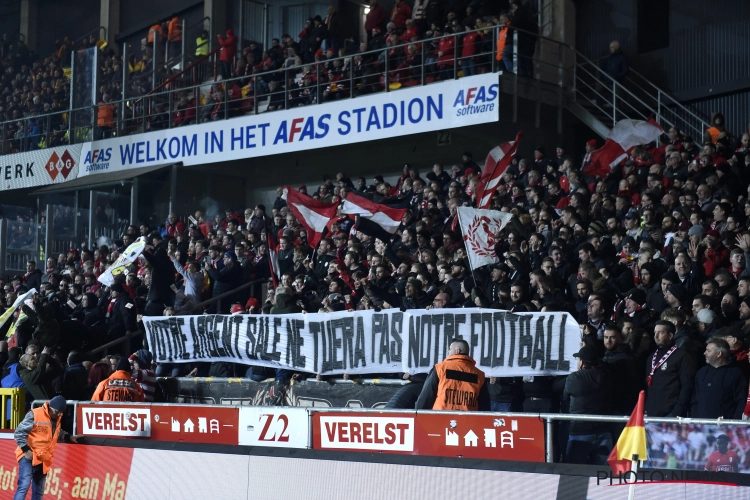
{"x": 590, "y": 391}
{"x": 121, "y": 312}
{"x": 160, "y": 293}
{"x": 225, "y": 280}
{"x": 670, "y": 375}
{"x": 720, "y": 386}
{"x": 621, "y": 363}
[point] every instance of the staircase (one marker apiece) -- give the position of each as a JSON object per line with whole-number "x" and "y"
{"x": 584, "y": 89}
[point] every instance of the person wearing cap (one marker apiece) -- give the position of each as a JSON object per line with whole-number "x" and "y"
{"x": 720, "y": 386}
{"x": 455, "y": 384}
{"x": 669, "y": 375}
{"x": 144, "y": 376}
{"x": 633, "y": 225}
{"x": 121, "y": 312}
{"x": 591, "y": 146}
{"x": 119, "y": 386}
{"x": 723, "y": 459}
{"x": 705, "y": 323}
{"x": 636, "y": 308}
{"x": 589, "y": 391}
{"x": 37, "y": 436}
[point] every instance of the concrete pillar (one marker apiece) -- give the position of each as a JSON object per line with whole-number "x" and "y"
{"x": 29, "y": 11}
{"x": 109, "y": 17}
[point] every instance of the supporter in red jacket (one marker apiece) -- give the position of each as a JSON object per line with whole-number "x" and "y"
{"x": 467, "y": 53}
{"x": 400, "y": 13}
{"x": 375, "y": 19}
{"x": 227, "y": 53}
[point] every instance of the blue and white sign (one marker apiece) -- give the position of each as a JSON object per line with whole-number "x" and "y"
{"x": 457, "y": 103}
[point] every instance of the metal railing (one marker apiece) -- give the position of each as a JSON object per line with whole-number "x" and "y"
{"x": 100, "y": 32}
{"x": 530, "y": 58}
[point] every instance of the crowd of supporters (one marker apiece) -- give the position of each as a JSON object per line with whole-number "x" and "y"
{"x": 650, "y": 258}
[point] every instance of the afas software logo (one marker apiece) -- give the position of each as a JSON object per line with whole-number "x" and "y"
{"x": 60, "y": 165}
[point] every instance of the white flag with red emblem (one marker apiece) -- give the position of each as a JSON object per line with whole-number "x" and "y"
{"x": 495, "y": 166}
{"x": 312, "y": 214}
{"x": 478, "y": 228}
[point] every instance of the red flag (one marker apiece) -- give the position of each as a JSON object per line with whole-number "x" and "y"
{"x": 388, "y": 218}
{"x": 495, "y": 165}
{"x": 625, "y": 136}
{"x": 312, "y": 214}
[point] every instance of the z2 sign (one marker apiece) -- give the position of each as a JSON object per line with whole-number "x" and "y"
{"x": 275, "y": 427}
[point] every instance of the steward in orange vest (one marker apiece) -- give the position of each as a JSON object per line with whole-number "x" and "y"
{"x": 37, "y": 437}
{"x": 455, "y": 384}
{"x": 120, "y": 386}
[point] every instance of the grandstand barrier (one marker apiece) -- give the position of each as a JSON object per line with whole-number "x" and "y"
{"x": 523, "y": 437}
{"x": 13, "y": 404}
{"x": 126, "y": 470}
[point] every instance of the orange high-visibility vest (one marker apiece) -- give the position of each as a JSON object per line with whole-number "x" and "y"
{"x": 43, "y": 438}
{"x": 459, "y": 384}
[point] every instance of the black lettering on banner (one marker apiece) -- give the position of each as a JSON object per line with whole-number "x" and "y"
{"x": 449, "y": 332}
{"x": 165, "y": 338}
{"x": 485, "y": 339}
{"x": 550, "y": 363}
{"x": 397, "y": 322}
{"x": 499, "y": 338}
{"x": 213, "y": 345}
{"x": 238, "y": 322}
{"x": 225, "y": 349}
{"x": 327, "y": 357}
{"x": 359, "y": 345}
{"x": 175, "y": 325}
{"x": 525, "y": 341}
{"x": 377, "y": 328}
{"x": 250, "y": 329}
{"x": 315, "y": 330}
{"x": 512, "y": 319}
{"x": 348, "y": 342}
{"x": 201, "y": 333}
{"x": 157, "y": 347}
{"x": 473, "y": 342}
{"x": 339, "y": 342}
{"x": 194, "y": 336}
{"x": 275, "y": 355}
{"x": 538, "y": 354}
{"x": 260, "y": 345}
{"x": 383, "y": 351}
{"x": 425, "y": 342}
{"x": 562, "y": 362}
{"x": 437, "y": 322}
{"x": 295, "y": 341}
{"x": 413, "y": 341}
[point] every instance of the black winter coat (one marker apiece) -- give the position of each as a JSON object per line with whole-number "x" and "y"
{"x": 162, "y": 277}
{"x": 624, "y": 370}
{"x": 719, "y": 392}
{"x": 590, "y": 392}
{"x": 672, "y": 384}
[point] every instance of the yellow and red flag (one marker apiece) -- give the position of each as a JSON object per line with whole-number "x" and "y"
{"x": 631, "y": 442}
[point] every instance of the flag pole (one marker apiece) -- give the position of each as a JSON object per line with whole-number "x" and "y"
{"x": 634, "y": 469}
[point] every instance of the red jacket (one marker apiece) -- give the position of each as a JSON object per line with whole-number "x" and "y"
{"x": 469, "y": 48}
{"x": 228, "y": 47}
{"x": 400, "y": 13}
{"x": 375, "y": 18}
{"x": 447, "y": 46}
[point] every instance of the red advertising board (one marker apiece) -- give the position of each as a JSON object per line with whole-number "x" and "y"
{"x": 78, "y": 471}
{"x": 472, "y": 435}
{"x": 180, "y": 423}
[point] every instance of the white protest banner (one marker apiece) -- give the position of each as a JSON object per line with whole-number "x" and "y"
{"x": 365, "y": 342}
{"x": 120, "y": 265}
{"x": 40, "y": 167}
{"x": 451, "y": 104}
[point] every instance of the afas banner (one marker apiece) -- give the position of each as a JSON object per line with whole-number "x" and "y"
{"x": 455, "y": 103}
{"x": 39, "y": 168}
{"x": 471, "y": 435}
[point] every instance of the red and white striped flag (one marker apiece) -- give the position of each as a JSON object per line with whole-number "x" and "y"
{"x": 388, "y": 218}
{"x": 312, "y": 214}
{"x": 495, "y": 165}
{"x": 625, "y": 136}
